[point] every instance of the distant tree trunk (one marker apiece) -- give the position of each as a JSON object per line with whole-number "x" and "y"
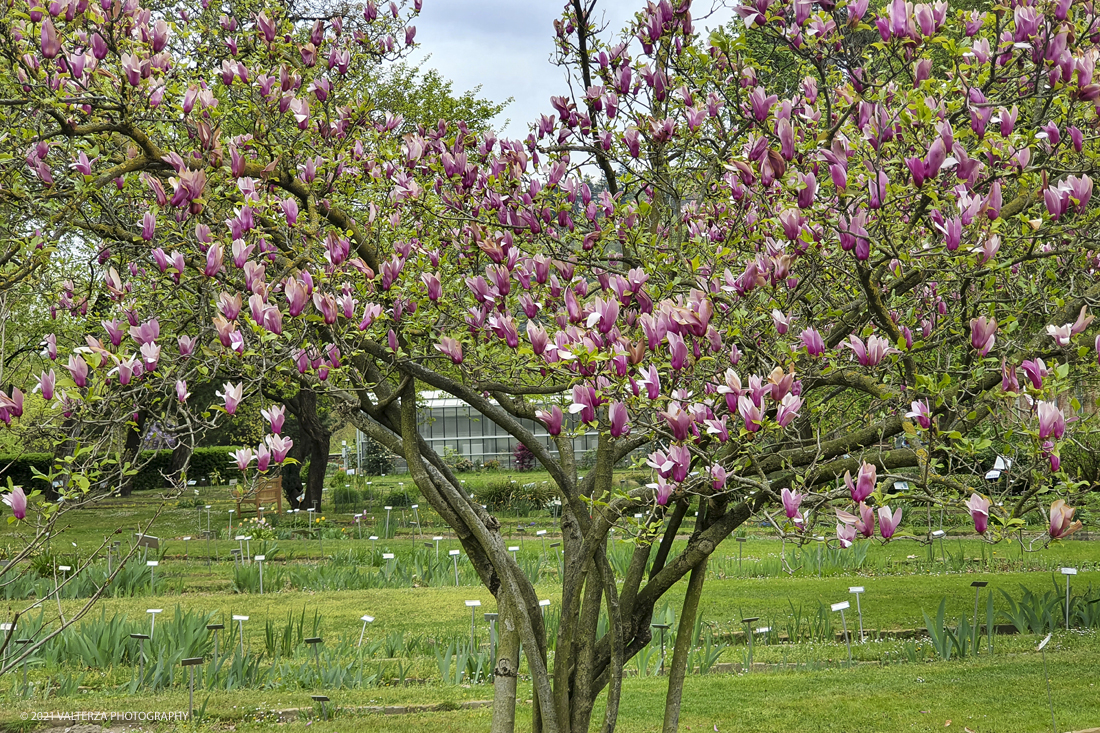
{"x": 181, "y": 456}
{"x": 292, "y": 472}
{"x": 304, "y": 408}
{"x": 130, "y": 452}
{"x": 65, "y": 448}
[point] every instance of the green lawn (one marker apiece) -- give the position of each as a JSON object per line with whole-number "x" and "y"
{"x": 1006, "y": 695}
{"x": 815, "y": 690}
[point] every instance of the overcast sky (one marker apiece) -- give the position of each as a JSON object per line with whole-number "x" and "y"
{"x": 505, "y": 47}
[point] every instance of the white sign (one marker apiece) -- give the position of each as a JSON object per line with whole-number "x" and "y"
{"x": 841, "y": 606}
{"x": 152, "y": 563}
{"x": 7, "y": 627}
{"x": 545, "y": 602}
{"x": 232, "y": 482}
{"x": 368, "y": 619}
{"x": 387, "y": 555}
{"x": 764, "y": 629}
{"x": 387, "y": 508}
{"x": 938, "y": 533}
{"x": 241, "y": 538}
{"x": 64, "y": 568}
{"x": 513, "y": 548}
{"x": 415, "y": 506}
{"x": 187, "y": 539}
{"x": 455, "y": 552}
{"x": 239, "y": 618}
{"x": 856, "y": 589}
{"x": 373, "y": 537}
{"x": 473, "y": 604}
{"x": 260, "y": 558}
{"x": 1069, "y": 571}
{"x": 540, "y": 533}
{"x": 437, "y": 539}
{"x": 1043, "y": 643}
{"x": 351, "y": 472}
{"x": 154, "y": 610}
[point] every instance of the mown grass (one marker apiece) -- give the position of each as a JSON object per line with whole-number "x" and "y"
{"x": 987, "y": 695}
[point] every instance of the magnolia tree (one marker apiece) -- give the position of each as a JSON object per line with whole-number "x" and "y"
{"x": 837, "y": 257}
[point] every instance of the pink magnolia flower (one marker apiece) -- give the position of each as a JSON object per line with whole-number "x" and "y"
{"x": 263, "y": 458}
{"x": 979, "y": 510}
{"x": 46, "y": 384}
{"x": 846, "y": 534}
{"x": 1052, "y": 423}
{"x": 651, "y": 380}
{"x": 450, "y": 347}
{"x": 788, "y": 409}
{"x": 78, "y": 368}
{"x": 280, "y": 446}
{"x": 922, "y": 413}
{"x": 983, "y": 334}
{"x": 792, "y": 500}
{"x": 865, "y": 525}
{"x": 1035, "y": 371}
{"x": 781, "y": 321}
{"x": 664, "y": 490}
{"x": 620, "y": 426}
{"x": 750, "y": 413}
{"x": 552, "y": 419}
{"x": 864, "y": 484}
{"x": 1009, "y": 382}
{"x": 888, "y": 523}
{"x": 51, "y": 44}
{"x": 718, "y": 476}
{"x": 243, "y": 456}
{"x": 679, "y": 420}
{"x": 17, "y": 500}
{"x": 873, "y": 352}
{"x": 276, "y": 415}
{"x": 1061, "y": 520}
{"x": 811, "y": 339}
{"x": 232, "y": 395}
{"x": 181, "y": 391}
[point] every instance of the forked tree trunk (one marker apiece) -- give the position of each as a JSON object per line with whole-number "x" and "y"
{"x": 506, "y": 671}
{"x": 684, "y": 642}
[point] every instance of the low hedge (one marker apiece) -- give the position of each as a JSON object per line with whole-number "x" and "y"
{"x": 205, "y": 463}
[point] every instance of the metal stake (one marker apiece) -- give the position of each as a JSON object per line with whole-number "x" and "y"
{"x": 857, "y": 589}
{"x": 1068, "y": 572}
{"x": 1049, "y": 698}
{"x": 847, "y": 639}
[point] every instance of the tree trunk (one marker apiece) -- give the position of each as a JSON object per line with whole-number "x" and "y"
{"x": 684, "y": 642}
{"x": 506, "y": 671}
{"x": 181, "y": 456}
{"x": 318, "y": 464}
{"x": 130, "y": 452}
{"x": 292, "y": 472}
{"x": 304, "y": 408}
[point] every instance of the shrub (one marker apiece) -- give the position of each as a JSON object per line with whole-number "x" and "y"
{"x": 399, "y": 498}
{"x": 377, "y": 459}
{"x": 456, "y": 462}
{"x": 212, "y": 464}
{"x": 523, "y": 457}
{"x": 345, "y": 497}
{"x": 504, "y": 493}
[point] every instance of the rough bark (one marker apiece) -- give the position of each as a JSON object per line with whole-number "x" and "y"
{"x": 304, "y": 408}
{"x": 506, "y": 672}
{"x": 684, "y": 642}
